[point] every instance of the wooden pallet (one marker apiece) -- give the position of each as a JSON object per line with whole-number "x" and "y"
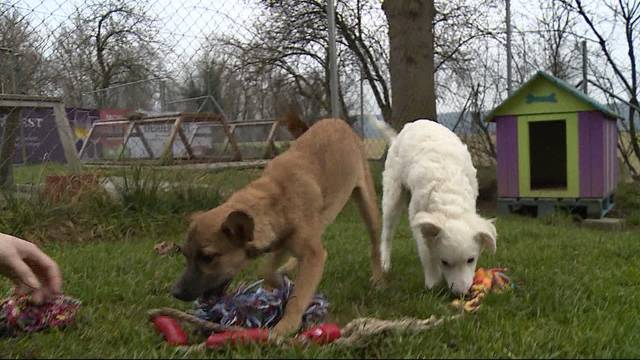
{"x": 175, "y": 121}
{"x": 595, "y": 208}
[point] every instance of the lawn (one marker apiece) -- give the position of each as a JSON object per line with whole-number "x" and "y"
{"x": 576, "y": 295}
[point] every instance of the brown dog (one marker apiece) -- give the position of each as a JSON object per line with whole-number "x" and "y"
{"x": 283, "y": 212}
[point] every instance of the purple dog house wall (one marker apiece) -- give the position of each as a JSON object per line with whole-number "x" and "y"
{"x": 598, "y": 163}
{"x": 598, "y": 147}
{"x": 612, "y": 157}
{"x": 507, "y": 155}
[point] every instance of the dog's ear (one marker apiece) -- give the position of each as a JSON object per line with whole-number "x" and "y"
{"x": 487, "y": 241}
{"x": 430, "y": 230}
{"x": 487, "y": 234}
{"x": 238, "y": 227}
{"x": 430, "y": 225}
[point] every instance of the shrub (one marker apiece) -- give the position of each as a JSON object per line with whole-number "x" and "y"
{"x": 142, "y": 201}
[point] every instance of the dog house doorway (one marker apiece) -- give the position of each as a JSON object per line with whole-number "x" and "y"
{"x": 548, "y": 152}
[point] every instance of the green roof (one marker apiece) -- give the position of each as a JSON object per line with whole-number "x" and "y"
{"x": 579, "y": 98}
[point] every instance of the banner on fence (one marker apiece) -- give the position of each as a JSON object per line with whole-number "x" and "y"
{"x": 38, "y": 140}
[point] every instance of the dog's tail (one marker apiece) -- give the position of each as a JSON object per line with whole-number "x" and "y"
{"x": 385, "y": 129}
{"x": 296, "y": 126}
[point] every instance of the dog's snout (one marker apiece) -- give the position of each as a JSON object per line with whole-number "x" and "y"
{"x": 179, "y": 293}
{"x": 459, "y": 290}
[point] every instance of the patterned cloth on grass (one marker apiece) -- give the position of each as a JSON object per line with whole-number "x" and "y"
{"x": 19, "y": 315}
{"x": 253, "y": 306}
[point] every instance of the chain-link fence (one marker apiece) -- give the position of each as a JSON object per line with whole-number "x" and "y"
{"x": 118, "y": 81}
{"x": 159, "y": 82}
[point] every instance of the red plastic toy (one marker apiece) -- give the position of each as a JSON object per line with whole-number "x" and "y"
{"x": 171, "y": 330}
{"x": 235, "y": 337}
{"x": 321, "y": 334}
{"x": 174, "y": 335}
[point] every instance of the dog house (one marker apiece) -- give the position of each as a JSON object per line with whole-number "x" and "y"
{"x": 556, "y": 147}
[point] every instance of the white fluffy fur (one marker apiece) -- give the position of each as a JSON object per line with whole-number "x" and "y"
{"x": 429, "y": 162}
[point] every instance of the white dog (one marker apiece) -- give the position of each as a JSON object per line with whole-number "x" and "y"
{"x": 429, "y": 162}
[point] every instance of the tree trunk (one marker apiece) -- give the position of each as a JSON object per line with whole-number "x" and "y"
{"x": 411, "y": 60}
{"x": 8, "y": 147}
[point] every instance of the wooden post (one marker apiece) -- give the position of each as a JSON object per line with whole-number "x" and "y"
{"x": 143, "y": 140}
{"x": 167, "y": 154}
{"x": 127, "y": 135}
{"x": 193, "y": 136}
{"x": 66, "y": 137}
{"x": 232, "y": 131}
{"x": 268, "y": 151}
{"x": 184, "y": 140}
{"x": 86, "y": 142}
{"x": 237, "y": 156}
{"x": 11, "y": 126}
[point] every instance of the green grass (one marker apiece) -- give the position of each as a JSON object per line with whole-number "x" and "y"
{"x": 35, "y": 174}
{"x": 576, "y": 296}
{"x": 627, "y": 199}
{"x": 143, "y": 205}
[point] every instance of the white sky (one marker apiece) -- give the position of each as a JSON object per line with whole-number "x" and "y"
{"x": 185, "y": 24}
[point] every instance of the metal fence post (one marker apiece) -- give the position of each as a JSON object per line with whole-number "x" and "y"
{"x": 333, "y": 63}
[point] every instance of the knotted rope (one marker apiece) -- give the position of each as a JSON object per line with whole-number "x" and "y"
{"x": 356, "y": 333}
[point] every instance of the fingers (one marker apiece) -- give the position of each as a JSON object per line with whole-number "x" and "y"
{"x": 22, "y": 275}
{"x": 46, "y": 269}
{"x": 32, "y": 271}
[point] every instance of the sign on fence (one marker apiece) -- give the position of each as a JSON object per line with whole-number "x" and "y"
{"x": 38, "y": 140}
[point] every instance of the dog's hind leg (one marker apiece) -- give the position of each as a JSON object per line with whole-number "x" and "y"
{"x": 367, "y": 200}
{"x": 393, "y": 201}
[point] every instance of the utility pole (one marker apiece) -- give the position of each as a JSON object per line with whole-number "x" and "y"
{"x": 163, "y": 96}
{"x": 361, "y": 73}
{"x": 333, "y": 63}
{"x": 585, "y": 81}
{"x": 508, "y": 21}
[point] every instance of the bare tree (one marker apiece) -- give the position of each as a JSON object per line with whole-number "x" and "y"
{"x": 559, "y": 47}
{"x": 22, "y": 65}
{"x": 109, "y": 43}
{"x": 475, "y": 88}
{"x": 291, "y": 40}
{"x": 627, "y": 14}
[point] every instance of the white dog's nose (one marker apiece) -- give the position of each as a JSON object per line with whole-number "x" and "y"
{"x": 459, "y": 290}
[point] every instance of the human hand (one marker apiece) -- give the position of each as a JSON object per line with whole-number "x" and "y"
{"x": 30, "y": 269}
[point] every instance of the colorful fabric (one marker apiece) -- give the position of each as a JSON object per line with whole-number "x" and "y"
{"x": 19, "y": 315}
{"x": 484, "y": 281}
{"x": 253, "y": 306}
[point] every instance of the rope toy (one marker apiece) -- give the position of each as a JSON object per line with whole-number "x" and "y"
{"x": 484, "y": 281}
{"x": 254, "y": 306}
{"x": 356, "y": 333}
{"x": 19, "y": 315}
{"x": 245, "y": 316}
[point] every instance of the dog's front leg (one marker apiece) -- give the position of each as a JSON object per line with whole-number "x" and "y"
{"x": 310, "y": 269}
{"x": 430, "y": 266}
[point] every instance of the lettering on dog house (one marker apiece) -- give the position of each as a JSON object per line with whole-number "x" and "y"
{"x": 556, "y": 147}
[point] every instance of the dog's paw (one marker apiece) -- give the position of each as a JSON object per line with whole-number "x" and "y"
{"x": 386, "y": 265}
{"x": 379, "y": 282}
{"x": 284, "y": 329}
{"x": 430, "y": 283}
{"x": 277, "y": 339}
